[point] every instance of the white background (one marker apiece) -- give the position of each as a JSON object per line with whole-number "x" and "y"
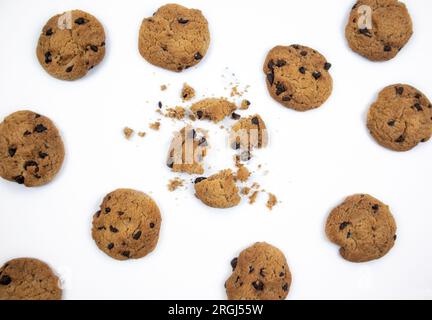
{"x": 314, "y": 160}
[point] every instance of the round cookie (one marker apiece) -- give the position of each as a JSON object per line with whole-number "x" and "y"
{"x": 259, "y": 273}
{"x": 213, "y": 109}
{"x": 298, "y": 77}
{"x": 127, "y": 224}
{"x": 174, "y": 38}
{"x": 401, "y": 118}
{"x": 363, "y": 227}
{"x": 31, "y": 149}
{"x": 218, "y": 191}
{"x": 28, "y": 279}
{"x": 378, "y": 29}
{"x": 71, "y": 44}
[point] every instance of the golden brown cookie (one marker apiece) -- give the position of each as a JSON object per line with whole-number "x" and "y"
{"x": 363, "y": 227}
{"x": 378, "y": 29}
{"x": 28, "y": 279}
{"x": 187, "y": 151}
{"x": 401, "y": 118}
{"x": 249, "y": 133}
{"x": 298, "y": 77}
{"x": 127, "y": 224}
{"x": 31, "y": 149}
{"x": 260, "y": 272}
{"x": 218, "y": 190}
{"x": 71, "y": 44}
{"x": 213, "y": 109}
{"x": 174, "y": 38}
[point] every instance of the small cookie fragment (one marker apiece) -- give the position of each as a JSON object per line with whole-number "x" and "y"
{"x": 177, "y": 113}
{"x": 31, "y": 149}
{"x": 260, "y": 272}
{"x": 213, "y": 109}
{"x": 249, "y": 133}
{"x": 253, "y": 197}
{"x": 187, "y": 93}
{"x": 272, "y": 201}
{"x": 127, "y": 224}
{"x": 155, "y": 125}
{"x": 174, "y": 184}
{"x": 141, "y": 134}
{"x": 71, "y": 44}
{"x": 363, "y": 227}
{"x": 163, "y": 87}
{"x": 400, "y": 118}
{"x": 28, "y": 279}
{"x": 128, "y": 132}
{"x": 245, "y": 104}
{"x": 218, "y": 191}
{"x": 298, "y": 77}
{"x": 243, "y": 173}
{"x": 187, "y": 151}
{"x": 174, "y": 38}
{"x": 378, "y": 29}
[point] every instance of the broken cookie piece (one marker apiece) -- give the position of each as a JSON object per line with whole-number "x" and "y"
{"x": 187, "y": 92}
{"x": 272, "y": 201}
{"x": 128, "y": 132}
{"x": 174, "y": 184}
{"x": 213, "y": 109}
{"x": 155, "y": 126}
{"x": 249, "y": 133}
{"x": 243, "y": 173}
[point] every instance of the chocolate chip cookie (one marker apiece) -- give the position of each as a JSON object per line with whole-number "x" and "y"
{"x": 71, "y": 44}
{"x": 28, "y": 279}
{"x": 31, "y": 149}
{"x": 174, "y": 38}
{"x": 401, "y": 118}
{"x": 127, "y": 224}
{"x": 213, "y": 109}
{"x": 218, "y": 190}
{"x": 249, "y": 133}
{"x": 378, "y": 29}
{"x": 259, "y": 273}
{"x": 363, "y": 227}
{"x": 298, "y": 77}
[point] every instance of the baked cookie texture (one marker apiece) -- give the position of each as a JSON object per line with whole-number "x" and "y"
{"x": 388, "y": 31}
{"x": 249, "y": 133}
{"x": 218, "y": 190}
{"x": 363, "y": 227}
{"x": 174, "y": 38}
{"x": 213, "y": 109}
{"x": 71, "y": 44}
{"x": 400, "y": 118}
{"x": 298, "y": 77}
{"x": 127, "y": 224}
{"x": 260, "y": 272}
{"x": 28, "y": 279}
{"x": 31, "y": 149}
{"x": 187, "y": 151}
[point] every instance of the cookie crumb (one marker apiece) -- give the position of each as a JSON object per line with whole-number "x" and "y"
{"x": 176, "y": 113}
{"x": 253, "y": 197}
{"x": 245, "y": 104}
{"x": 155, "y": 126}
{"x": 272, "y": 201}
{"x": 141, "y": 134}
{"x": 174, "y": 184}
{"x": 243, "y": 173}
{"x": 245, "y": 191}
{"x": 128, "y": 132}
{"x": 187, "y": 92}
{"x": 163, "y": 87}
{"x": 235, "y": 92}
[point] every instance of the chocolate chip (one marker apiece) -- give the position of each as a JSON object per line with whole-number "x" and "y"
{"x": 251, "y": 269}
{"x": 43, "y": 155}
{"x": 202, "y": 142}
{"x": 5, "y": 280}
{"x": 282, "y": 274}
{"x": 271, "y": 64}
{"x": 375, "y": 207}
{"x": 19, "y": 179}
{"x": 303, "y": 53}
{"x": 40, "y": 128}
{"x": 286, "y": 98}
{"x": 137, "y": 235}
{"x": 198, "y": 56}
{"x": 107, "y": 210}
{"x": 48, "y": 58}
{"x": 101, "y": 228}
{"x": 391, "y": 123}
{"x": 80, "y": 21}
{"x": 12, "y": 151}
{"x": 401, "y": 139}
{"x": 395, "y": 237}
{"x": 110, "y": 246}
{"x": 182, "y": 21}
{"x": 170, "y": 163}
{"x": 27, "y": 133}
{"x": 365, "y": 32}
{"x": 343, "y": 225}
{"x": 235, "y": 145}
{"x": 348, "y": 235}
{"x": 316, "y": 75}
{"x": 234, "y": 263}
{"x": 255, "y": 121}
{"x": 418, "y": 107}
{"x": 235, "y": 116}
{"x": 125, "y": 254}
{"x": 152, "y": 225}
{"x": 302, "y": 70}
{"x": 327, "y": 66}
{"x": 296, "y": 46}
{"x": 49, "y": 32}
{"x": 98, "y": 214}
{"x": 160, "y": 105}
{"x": 262, "y": 274}
{"x": 94, "y": 48}
{"x": 280, "y": 88}
{"x": 387, "y": 48}
{"x": 200, "y": 114}
{"x": 258, "y": 285}
{"x": 270, "y": 78}
{"x": 399, "y": 90}
{"x": 280, "y": 63}
{"x": 103, "y": 44}
{"x": 69, "y": 69}
{"x": 247, "y": 102}
{"x": 199, "y": 179}
{"x": 30, "y": 163}
{"x": 113, "y": 229}
{"x": 418, "y": 96}
{"x": 285, "y": 287}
